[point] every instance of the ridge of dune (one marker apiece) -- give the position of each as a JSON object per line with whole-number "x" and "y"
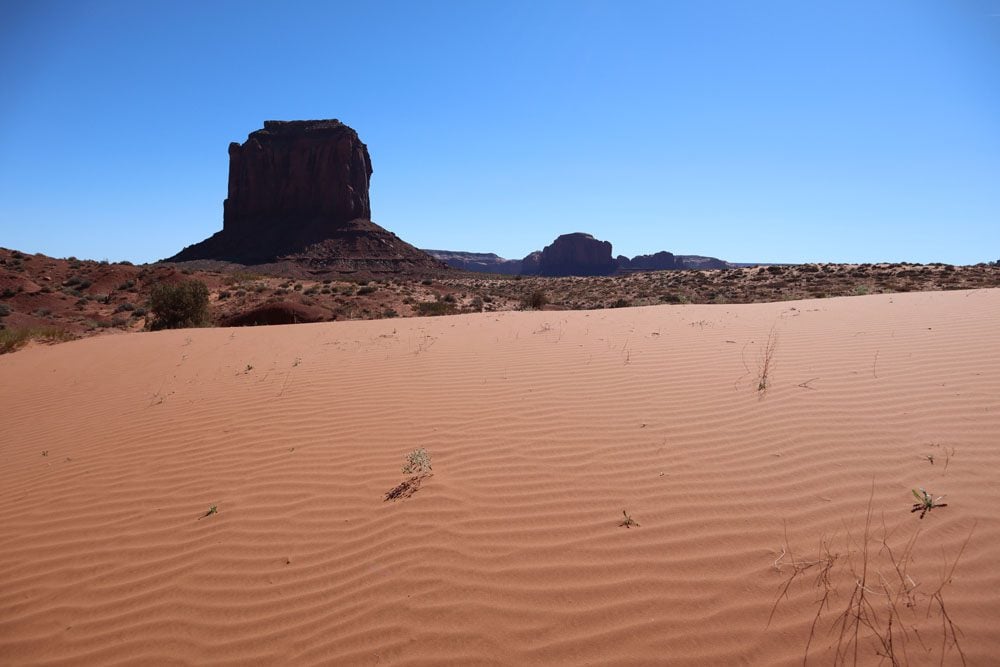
{"x": 543, "y": 427}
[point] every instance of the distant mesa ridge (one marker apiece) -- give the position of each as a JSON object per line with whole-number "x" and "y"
{"x": 298, "y": 191}
{"x": 576, "y": 254}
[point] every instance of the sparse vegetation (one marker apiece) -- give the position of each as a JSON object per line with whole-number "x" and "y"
{"x": 537, "y": 300}
{"x": 766, "y": 362}
{"x": 925, "y": 501}
{"x": 884, "y": 607}
{"x": 628, "y": 522}
{"x": 418, "y": 466}
{"x": 14, "y": 339}
{"x": 179, "y": 306}
{"x": 417, "y": 461}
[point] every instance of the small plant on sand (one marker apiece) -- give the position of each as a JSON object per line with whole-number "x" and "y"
{"x": 417, "y": 461}
{"x": 628, "y": 522}
{"x": 925, "y": 502}
{"x": 418, "y": 467}
{"x": 214, "y": 509}
{"x": 766, "y": 363}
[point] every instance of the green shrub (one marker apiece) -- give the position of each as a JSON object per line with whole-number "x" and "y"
{"x": 178, "y": 306}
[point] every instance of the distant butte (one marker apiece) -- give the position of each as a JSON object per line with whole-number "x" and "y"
{"x": 298, "y": 192}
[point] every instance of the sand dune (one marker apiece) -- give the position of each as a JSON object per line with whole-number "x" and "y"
{"x": 542, "y": 428}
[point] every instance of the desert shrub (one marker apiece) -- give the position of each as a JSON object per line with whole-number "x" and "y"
{"x": 224, "y": 294}
{"x": 127, "y": 285}
{"x": 178, "y": 306}
{"x": 536, "y": 300}
{"x": 123, "y": 307}
{"x": 389, "y": 313}
{"x": 4, "y": 310}
{"x": 367, "y": 289}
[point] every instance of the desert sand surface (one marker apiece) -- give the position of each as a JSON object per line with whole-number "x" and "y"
{"x": 542, "y": 428}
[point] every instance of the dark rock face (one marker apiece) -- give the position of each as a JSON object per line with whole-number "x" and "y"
{"x": 577, "y": 254}
{"x": 661, "y": 261}
{"x": 313, "y": 172}
{"x": 298, "y": 191}
{"x": 531, "y": 265}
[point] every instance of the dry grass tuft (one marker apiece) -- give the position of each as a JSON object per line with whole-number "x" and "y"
{"x": 884, "y": 609}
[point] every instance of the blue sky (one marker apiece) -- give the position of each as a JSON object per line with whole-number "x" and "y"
{"x": 778, "y": 131}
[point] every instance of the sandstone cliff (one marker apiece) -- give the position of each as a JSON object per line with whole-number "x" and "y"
{"x": 298, "y": 191}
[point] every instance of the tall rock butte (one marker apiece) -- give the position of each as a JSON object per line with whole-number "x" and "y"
{"x": 298, "y": 190}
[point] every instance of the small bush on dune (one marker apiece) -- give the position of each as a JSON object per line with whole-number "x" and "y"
{"x": 179, "y": 306}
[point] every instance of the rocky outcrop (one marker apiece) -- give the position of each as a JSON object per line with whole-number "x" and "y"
{"x": 299, "y": 190}
{"x": 531, "y": 265}
{"x": 702, "y": 263}
{"x": 661, "y": 261}
{"x": 478, "y": 262}
{"x": 577, "y": 254}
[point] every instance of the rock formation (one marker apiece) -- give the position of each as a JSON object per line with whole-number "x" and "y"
{"x": 296, "y": 184}
{"x": 577, "y": 254}
{"x": 477, "y": 262}
{"x": 661, "y": 261}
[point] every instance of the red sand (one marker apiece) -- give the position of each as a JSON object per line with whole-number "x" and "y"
{"x": 542, "y": 428}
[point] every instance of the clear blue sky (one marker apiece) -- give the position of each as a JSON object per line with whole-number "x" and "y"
{"x": 778, "y": 131}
